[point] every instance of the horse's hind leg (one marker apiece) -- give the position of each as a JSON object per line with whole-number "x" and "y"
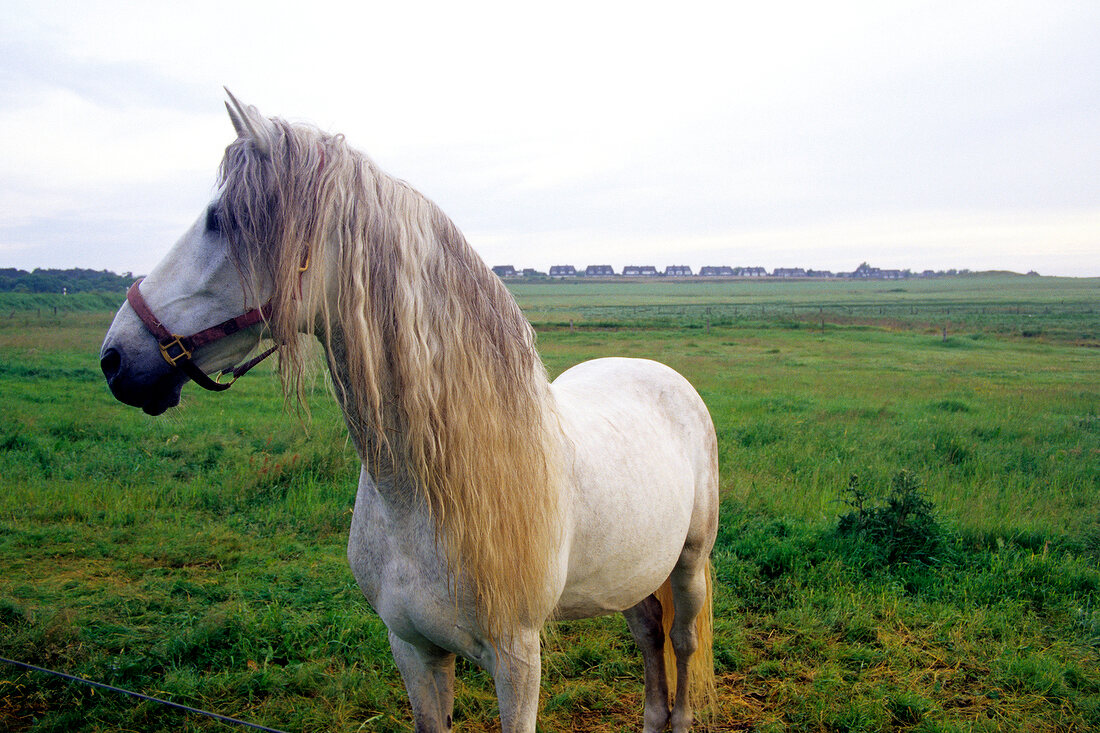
{"x": 689, "y": 593}
{"x": 644, "y": 621}
{"x": 429, "y": 676}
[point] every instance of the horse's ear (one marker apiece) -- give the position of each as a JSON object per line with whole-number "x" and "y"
{"x": 237, "y": 124}
{"x": 248, "y": 123}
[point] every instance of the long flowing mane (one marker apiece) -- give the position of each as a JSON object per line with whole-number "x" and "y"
{"x": 432, "y": 359}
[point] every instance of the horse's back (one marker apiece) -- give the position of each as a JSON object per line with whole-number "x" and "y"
{"x": 634, "y": 395}
{"x": 641, "y": 469}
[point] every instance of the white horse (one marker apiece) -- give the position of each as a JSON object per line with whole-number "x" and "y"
{"x": 489, "y": 501}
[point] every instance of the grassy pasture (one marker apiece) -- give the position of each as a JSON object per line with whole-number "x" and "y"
{"x": 1054, "y": 308}
{"x": 200, "y": 555}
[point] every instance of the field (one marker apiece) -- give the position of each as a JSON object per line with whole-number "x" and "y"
{"x": 1058, "y": 308}
{"x": 909, "y": 540}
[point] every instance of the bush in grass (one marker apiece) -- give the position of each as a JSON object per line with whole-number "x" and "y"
{"x": 903, "y": 530}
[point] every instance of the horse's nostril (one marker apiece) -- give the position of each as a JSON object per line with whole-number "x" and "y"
{"x": 110, "y": 363}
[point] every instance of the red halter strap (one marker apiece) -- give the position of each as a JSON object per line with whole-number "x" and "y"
{"x": 177, "y": 350}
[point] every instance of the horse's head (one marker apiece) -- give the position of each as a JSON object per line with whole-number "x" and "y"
{"x": 196, "y": 286}
{"x": 198, "y": 292}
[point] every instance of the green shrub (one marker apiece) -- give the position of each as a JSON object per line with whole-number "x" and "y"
{"x": 903, "y": 530}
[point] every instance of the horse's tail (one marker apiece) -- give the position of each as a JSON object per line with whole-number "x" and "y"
{"x": 702, "y": 688}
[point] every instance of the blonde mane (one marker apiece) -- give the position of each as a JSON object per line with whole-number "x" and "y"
{"x": 433, "y": 362}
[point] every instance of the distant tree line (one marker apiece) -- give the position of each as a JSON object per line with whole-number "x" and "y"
{"x": 75, "y": 280}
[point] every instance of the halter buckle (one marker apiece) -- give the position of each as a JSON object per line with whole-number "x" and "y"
{"x": 225, "y": 373}
{"x": 175, "y": 343}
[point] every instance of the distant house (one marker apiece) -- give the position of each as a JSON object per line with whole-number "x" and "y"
{"x": 819, "y": 273}
{"x": 789, "y": 272}
{"x": 563, "y": 271}
{"x": 751, "y": 272}
{"x": 678, "y": 271}
{"x": 713, "y": 271}
{"x": 865, "y": 271}
{"x": 640, "y": 271}
{"x": 599, "y": 271}
{"x": 505, "y": 271}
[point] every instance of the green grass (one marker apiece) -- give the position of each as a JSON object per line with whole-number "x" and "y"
{"x": 24, "y": 305}
{"x": 200, "y": 555}
{"x": 1060, "y": 309}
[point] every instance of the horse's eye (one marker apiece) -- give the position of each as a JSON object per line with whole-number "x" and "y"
{"x": 213, "y": 223}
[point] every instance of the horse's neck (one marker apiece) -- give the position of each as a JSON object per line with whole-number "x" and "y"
{"x": 372, "y": 447}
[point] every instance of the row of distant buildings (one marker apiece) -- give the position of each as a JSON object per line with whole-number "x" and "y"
{"x": 864, "y": 271}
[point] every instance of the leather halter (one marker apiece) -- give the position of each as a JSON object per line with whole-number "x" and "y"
{"x": 177, "y": 350}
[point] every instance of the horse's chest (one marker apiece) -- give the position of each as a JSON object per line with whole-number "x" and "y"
{"x": 395, "y": 560}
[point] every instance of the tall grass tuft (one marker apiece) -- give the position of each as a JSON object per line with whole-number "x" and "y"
{"x": 903, "y": 530}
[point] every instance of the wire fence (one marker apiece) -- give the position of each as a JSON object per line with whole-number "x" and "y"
{"x": 140, "y": 696}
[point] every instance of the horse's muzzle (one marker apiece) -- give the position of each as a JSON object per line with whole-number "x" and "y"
{"x": 153, "y": 388}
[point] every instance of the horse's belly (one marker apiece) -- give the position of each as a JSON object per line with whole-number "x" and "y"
{"x": 618, "y": 557}
{"x": 638, "y": 435}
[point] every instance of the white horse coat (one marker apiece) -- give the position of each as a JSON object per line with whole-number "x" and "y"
{"x": 634, "y": 486}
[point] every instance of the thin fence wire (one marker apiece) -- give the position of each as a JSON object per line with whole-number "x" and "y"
{"x": 148, "y": 698}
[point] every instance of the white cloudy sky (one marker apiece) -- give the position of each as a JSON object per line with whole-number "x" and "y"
{"x": 921, "y": 135}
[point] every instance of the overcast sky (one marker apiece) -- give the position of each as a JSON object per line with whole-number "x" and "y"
{"x": 910, "y": 135}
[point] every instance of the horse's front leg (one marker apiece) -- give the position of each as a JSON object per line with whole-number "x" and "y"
{"x": 429, "y": 675}
{"x": 517, "y": 670}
